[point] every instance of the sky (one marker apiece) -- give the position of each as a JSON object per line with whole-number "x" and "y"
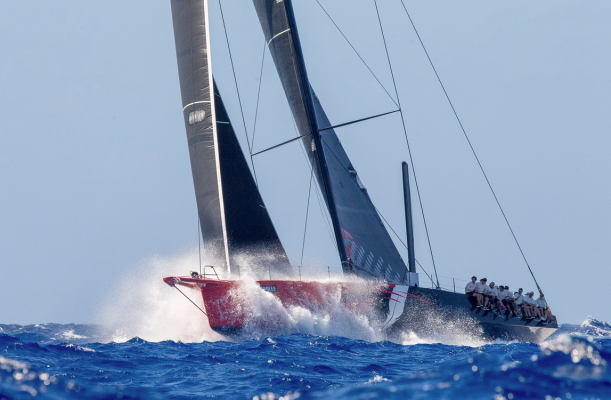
{"x": 94, "y": 170}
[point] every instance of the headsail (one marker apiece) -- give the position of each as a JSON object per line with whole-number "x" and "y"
{"x": 367, "y": 248}
{"x": 232, "y": 214}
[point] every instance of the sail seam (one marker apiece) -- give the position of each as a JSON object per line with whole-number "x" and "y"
{"x": 277, "y": 34}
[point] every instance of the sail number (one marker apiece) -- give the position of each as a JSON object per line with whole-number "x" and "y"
{"x": 196, "y": 116}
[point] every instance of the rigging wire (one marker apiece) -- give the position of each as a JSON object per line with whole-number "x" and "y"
{"x": 401, "y": 241}
{"x": 235, "y": 79}
{"x": 305, "y": 228}
{"x": 254, "y": 127}
{"x": 325, "y": 213}
{"x": 357, "y": 53}
{"x": 317, "y": 191}
{"x": 199, "y": 244}
{"x": 407, "y": 141}
{"x": 198, "y": 307}
{"x": 471, "y": 146}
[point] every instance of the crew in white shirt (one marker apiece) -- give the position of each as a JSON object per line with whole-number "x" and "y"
{"x": 492, "y": 293}
{"x": 501, "y": 295}
{"x": 482, "y": 301}
{"x": 508, "y": 302}
{"x": 470, "y": 289}
{"x": 543, "y": 309}
{"x": 529, "y": 305}
{"x": 518, "y": 298}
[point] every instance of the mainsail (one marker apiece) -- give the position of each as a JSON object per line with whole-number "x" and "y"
{"x": 367, "y": 247}
{"x": 233, "y": 217}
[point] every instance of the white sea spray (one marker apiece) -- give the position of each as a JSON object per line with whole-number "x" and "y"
{"x": 265, "y": 315}
{"x": 142, "y": 305}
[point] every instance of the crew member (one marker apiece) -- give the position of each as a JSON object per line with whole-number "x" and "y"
{"x": 518, "y": 298}
{"x": 479, "y": 293}
{"x": 529, "y": 305}
{"x": 509, "y": 302}
{"x": 470, "y": 289}
{"x": 491, "y": 292}
{"x": 544, "y": 311}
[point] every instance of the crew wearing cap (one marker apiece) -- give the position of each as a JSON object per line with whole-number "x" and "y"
{"x": 470, "y": 289}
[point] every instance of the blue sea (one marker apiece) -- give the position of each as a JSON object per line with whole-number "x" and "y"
{"x": 54, "y": 361}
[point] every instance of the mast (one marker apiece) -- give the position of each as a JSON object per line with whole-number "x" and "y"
{"x": 407, "y": 199}
{"x": 318, "y": 145}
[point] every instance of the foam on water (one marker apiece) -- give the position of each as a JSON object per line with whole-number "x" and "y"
{"x": 266, "y": 316}
{"x": 573, "y": 364}
{"x": 69, "y": 335}
{"x": 142, "y": 305}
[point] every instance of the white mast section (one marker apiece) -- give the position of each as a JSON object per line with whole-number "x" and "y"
{"x": 215, "y": 135}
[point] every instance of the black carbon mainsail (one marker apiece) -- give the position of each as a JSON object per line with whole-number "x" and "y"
{"x": 367, "y": 247}
{"x": 233, "y": 217}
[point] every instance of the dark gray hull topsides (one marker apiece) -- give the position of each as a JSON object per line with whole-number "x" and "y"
{"x": 432, "y": 312}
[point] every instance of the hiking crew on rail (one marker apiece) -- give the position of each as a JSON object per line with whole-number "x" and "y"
{"x": 499, "y": 300}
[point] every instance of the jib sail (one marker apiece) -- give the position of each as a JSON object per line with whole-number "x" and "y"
{"x": 367, "y": 247}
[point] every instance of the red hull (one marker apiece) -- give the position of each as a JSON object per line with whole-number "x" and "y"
{"x": 234, "y": 305}
{"x": 225, "y": 302}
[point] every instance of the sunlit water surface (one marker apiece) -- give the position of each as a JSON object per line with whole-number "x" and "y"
{"x": 152, "y": 343}
{"x": 85, "y": 361}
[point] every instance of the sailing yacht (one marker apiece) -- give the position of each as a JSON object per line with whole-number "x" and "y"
{"x": 233, "y": 217}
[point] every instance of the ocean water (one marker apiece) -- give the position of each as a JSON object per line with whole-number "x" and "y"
{"x": 53, "y": 361}
{"x": 151, "y": 343}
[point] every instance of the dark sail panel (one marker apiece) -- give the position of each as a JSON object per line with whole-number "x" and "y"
{"x": 250, "y": 230}
{"x": 190, "y": 34}
{"x": 234, "y": 221}
{"x": 368, "y": 249}
{"x": 366, "y": 239}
